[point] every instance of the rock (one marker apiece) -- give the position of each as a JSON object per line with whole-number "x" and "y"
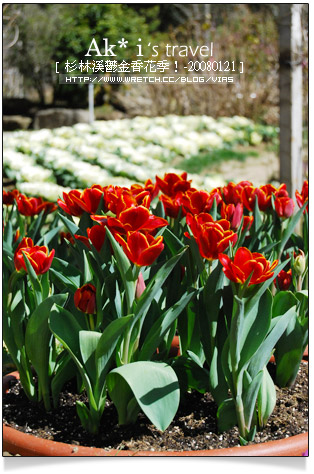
{"x": 53, "y": 118}
{"x": 16, "y": 122}
{"x": 134, "y": 101}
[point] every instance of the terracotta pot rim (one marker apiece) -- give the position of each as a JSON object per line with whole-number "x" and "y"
{"x": 25, "y": 444}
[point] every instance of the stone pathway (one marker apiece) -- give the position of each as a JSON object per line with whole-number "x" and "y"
{"x": 259, "y": 170}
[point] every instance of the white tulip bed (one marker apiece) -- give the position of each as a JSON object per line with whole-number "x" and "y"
{"x": 119, "y": 152}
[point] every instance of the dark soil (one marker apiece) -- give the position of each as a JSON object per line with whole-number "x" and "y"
{"x": 193, "y": 428}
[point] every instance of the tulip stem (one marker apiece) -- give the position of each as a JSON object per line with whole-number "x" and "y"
{"x": 91, "y": 322}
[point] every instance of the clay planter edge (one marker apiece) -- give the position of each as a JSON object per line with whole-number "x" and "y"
{"x": 17, "y": 442}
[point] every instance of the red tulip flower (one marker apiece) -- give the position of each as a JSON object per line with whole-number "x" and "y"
{"x": 215, "y": 194}
{"x": 212, "y": 237}
{"x": 96, "y": 235}
{"x": 9, "y": 197}
{"x": 119, "y": 199}
{"x": 139, "y": 191}
{"x": 69, "y": 205}
{"x": 284, "y": 279}
{"x": 172, "y": 205}
{"x": 131, "y": 220}
{"x": 37, "y": 255}
{"x": 141, "y": 249}
{"x": 196, "y": 202}
{"x": 284, "y": 206}
{"x": 172, "y": 183}
{"x": 232, "y": 213}
{"x": 263, "y": 194}
{"x": 247, "y": 265}
{"x": 247, "y": 222}
{"x": 282, "y": 191}
{"x": 17, "y": 235}
{"x": 89, "y": 199}
{"x": 232, "y": 193}
{"x": 33, "y": 206}
{"x": 85, "y": 299}
{"x": 303, "y": 196}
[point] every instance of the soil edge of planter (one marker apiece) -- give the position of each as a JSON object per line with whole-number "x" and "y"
{"x": 17, "y": 442}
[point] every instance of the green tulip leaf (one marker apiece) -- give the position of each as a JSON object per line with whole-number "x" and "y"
{"x": 107, "y": 344}
{"x": 290, "y": 228}
{"x": 48, "y": 236}
{"x": 288, "y": 353}
{"x": 63, "y": 372}
{"x": 266, "y": 398}
{"x": 255, "y": 328}
{"x": 88, "y": 341}
{"x": 38, "y": 353}
{"x": 226, "y": 415}
{"x": 66, "y": 329}
{"x": 67, "y": 274}
{"x": 72, "y": 228}
{"x": 250, "y": 395}
{"x": 162, "y": 324}
{"x": 155, "y": 285}
{"x": 125, "y": 269}
{"x": 262, "y": 356}
{"x": 283, "y": 301}
{"x": 155, "y": 387}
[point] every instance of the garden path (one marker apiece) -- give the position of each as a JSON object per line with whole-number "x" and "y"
{"x": 259, "y": 170}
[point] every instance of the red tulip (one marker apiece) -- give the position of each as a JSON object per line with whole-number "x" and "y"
{"x": 37, "y": 255}
{"x": 247, "y": 265}
{"x": 232, "y": 213}
{"x": 89, "y": 199}
{"x": 284, "y": 206}
{"x": 96, "y": 235}
{"x": 17, "y": 235}
{"x": 263, "y": 194}
{"x": 118, "y": 199}
{"x": 69, "y": 205}
{"x": 9, "y": 197}
{"x": 141, "y": 249}
{"x": 232, "y": 193}
{"x": 212, "y": 237}
{"x": 85, "y": 299}
{"x": 304, "y": 196}
{"x": 33, "y": 206}
{"x": 215, "y": 194}
{"x": 131, "y": 220}
{"x": 173, "y": 183}
{"x": 195, "y": 202}
{"x": 282, "y": 191}
{"x": 172, "y": 205}
{"x": 150, "y": 187}
{"x": 283, "y": 280}
{"x": 247, "y": 222}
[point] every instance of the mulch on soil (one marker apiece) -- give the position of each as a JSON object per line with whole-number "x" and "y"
{"x": 193, "y": 428}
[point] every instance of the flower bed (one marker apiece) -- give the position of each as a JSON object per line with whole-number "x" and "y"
{"x": 46, "y": 162}
{"x": 106, "y": 277}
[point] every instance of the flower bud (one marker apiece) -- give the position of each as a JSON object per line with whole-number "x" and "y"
{"x": 284, "y": 280}
{"x": 299, "y": 263}
{"x": 140, "y": 286}
{"x": 85, "y": 299}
